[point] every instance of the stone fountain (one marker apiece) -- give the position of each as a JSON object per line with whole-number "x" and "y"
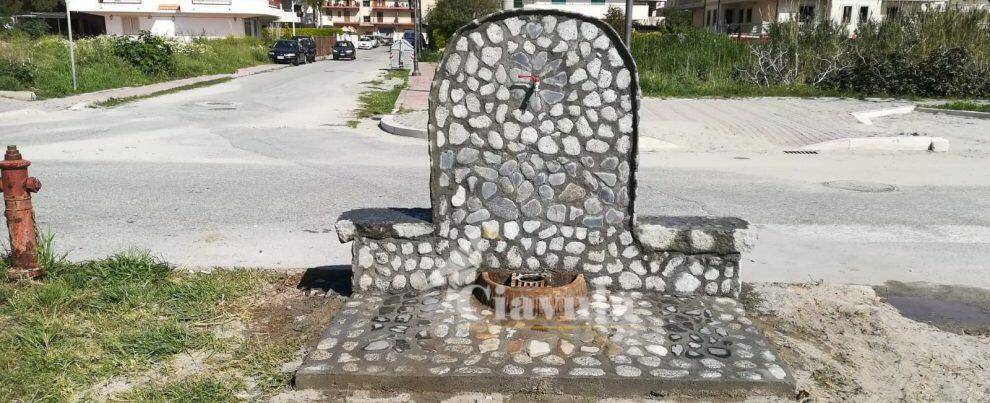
{"x": 531, "y": 270}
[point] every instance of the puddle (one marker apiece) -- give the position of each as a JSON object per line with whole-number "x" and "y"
{"x": 861, "y": 186}
{"x": 956, "y": 309}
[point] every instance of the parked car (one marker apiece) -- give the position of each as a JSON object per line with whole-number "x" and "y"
{"x": 367, "y": 42}
{"x": 309, "y": 44}
{"x": 409, "y": 35}
{"x": 287, "y": 51}
{"x": 386, "y": 41}
{"x": 344, "y": 50}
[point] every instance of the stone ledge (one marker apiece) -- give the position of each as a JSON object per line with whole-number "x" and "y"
{"x": 695, "y": 235}
{"x": 381, "y": 223}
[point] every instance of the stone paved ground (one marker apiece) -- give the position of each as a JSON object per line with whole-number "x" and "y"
{"x": 620, "y": 344}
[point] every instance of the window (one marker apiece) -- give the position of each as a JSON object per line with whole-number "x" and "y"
{"x": 864, "y": 13}
{"x": 598, "y": 1}
{"x": 517, "y": 3}
{"x": 806, "y": 13}
{"x": 847, "y": 14}
{"x": 749, "y": 15}
{"x": 892, "y": 12}
{"x": 367, "y": 18}
{"x": 366, "y": 3}
{"x": 129, "y": 25}
{"x": 728, "y": 16}
{"x": 559, "y": 1}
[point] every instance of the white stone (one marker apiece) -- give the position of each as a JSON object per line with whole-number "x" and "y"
{"x": 686, "y": 283}
{"x": 536, "y": 348}
{"x": 546, "y": 145}
{"x": 462, "y": 45}
{"x": 588, "y": 30}
{"x": 565, "y": 125}
{"x": 571, "y": 145}
{"x": 657, "y": 350}
{"x": 494, "y": 33}
{"x": 510, "y": 229}
{"x": 592, "y": 100}
{"x": 578, "y": 76}
{"x": 488, "y": 345}
{"x": 630, "y": 281}
{"x": 513, "y": 370}
{"x": 377, "y": 345}
{"x": 622, "y": 79}
{"x": 627, "y": 370}
{"x": 509, "y": 130}
{"x": 458, "y": 134}
{"x": 491, "y": 56}
{"x": 459, "y": 197}
{"x": 327, "y": 343}
{"x": 365, "y": 259}
{"x": 566, "y": 347}
{"x": 567, "y": 30}
{"x": 595, "y": 67}
{"x": 655, "y": 283}
{"x": 480, "y": 122}
{"x": 529, "y": 135}
{"x": 453, "y": 63}
{"x": 596, "y": 146}
{"x": 514, "y": 24}
{"x": 471, "y": 66}
{"x": 602, "y": 42}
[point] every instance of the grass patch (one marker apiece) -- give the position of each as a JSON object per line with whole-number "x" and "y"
{"x": 100, "y": 66}
{"x": 381, "y": 101}
{"x": 962, "y": 106}
{"x": 130, "y": 316}
{"x": 109, "y": 103}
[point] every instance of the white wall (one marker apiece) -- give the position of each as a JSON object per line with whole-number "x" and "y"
{"x": 592, "y": 10}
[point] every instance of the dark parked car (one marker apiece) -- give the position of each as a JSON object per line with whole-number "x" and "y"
{"x": 288, "y": 51}
{"x": 308, "y": 43}
{"x": 344, "y": 50}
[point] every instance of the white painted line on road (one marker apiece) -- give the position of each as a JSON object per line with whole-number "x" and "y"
{"x": 957, "y": 234}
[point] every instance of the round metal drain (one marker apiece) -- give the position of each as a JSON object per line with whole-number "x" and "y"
{"x": 861, "y": 186}
{"x": 218, "y": 105}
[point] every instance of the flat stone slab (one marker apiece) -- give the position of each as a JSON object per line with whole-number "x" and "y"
{"x": 618, "y": 344}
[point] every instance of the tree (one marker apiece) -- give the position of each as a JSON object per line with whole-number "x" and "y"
{"x": 616, "y": 18}
{"x": 315, "y": 5}
{"x": 447, "y": 16}
{"x": 9, "y": 7}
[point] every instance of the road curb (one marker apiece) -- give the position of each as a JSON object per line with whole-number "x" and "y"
{"x": 390, "y": 125}
{"x": 902, "y": 143}
{"x": 19, "y": 95}
{"x": 955, "y": 112}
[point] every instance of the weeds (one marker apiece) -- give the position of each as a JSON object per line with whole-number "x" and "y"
{"x": 112, "y": 102}
{"x": 106, "y": 62}
{"x": 380, "y": 101}
{"x": 963, "y": 106}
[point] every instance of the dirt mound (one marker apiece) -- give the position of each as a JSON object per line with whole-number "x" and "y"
{"x": 844, "y": 343}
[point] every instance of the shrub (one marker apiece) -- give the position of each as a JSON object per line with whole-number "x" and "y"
{"x": 929, "y": 54}
{"x": 272, "y": 34}
{"x": 33, "y": 28}
{"x": 795, "y": 54}
{"x": 615, "y": 18}
{"x": 449, "y": 15}
{"x": 16, "y": 70}
{"x": 149, "y": 53}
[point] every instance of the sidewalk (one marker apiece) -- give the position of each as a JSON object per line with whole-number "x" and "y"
{"x": 413, "y": 102}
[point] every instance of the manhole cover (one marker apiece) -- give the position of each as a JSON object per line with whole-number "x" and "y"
{"x": 224, "y": 109}
{"x": 861, "y": 186}
{"x": 217, "y": 105}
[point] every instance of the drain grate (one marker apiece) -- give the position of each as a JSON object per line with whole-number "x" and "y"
{"x": 800, "y": 152}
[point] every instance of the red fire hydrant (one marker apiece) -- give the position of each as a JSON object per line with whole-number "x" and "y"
{"x": 17, "y": 187}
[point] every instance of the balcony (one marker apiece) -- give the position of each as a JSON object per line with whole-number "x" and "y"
{"x": 392, "y": 22}
{"x": 275, "y": 4}
{"x": 343, "y": 5}
{"x": 391, "y": 5}
{"x": 212, "y": 2}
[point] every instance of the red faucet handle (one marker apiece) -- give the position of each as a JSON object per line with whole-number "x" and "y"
{"x": 533, "y": 78}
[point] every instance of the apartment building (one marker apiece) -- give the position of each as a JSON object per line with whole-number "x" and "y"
{"x": 185, "y": 18}
{"x": 643, "y": 10}
{"x": 386, "y": 18}
{"x": 751, "y": 17}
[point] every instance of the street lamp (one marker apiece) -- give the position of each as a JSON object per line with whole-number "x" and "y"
{"x": 629, "y": 7}
{"x": 294, "y": 16}
{"x": 72, "y": 46}
{"x": 416, "y": 29}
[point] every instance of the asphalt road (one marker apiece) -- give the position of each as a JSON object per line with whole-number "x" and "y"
{"x": 254, "y": 171}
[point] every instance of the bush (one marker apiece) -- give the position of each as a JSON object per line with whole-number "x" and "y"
{"x": 795, "y": 54}
{"x": 616, "y": 18}
{"x": 272, "y": 34}
{"x": 447, "y": 16}
{"x": 149, "y": 53}
{"x": 928, "y": 54}
{"x": 16, "y": 70}
{"x": 33, "y": 28}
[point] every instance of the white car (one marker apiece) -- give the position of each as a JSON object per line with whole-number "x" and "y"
{"x": 367, "y": 42}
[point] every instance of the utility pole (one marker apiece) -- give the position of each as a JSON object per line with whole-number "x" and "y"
{"x": 72, "y": 47}
{"x": 294, "y": 16}
{"x": 629, "y": 18}
{"x": 416, "y": 42}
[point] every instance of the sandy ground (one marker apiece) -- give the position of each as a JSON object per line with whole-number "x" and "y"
{"x": 843, "y": 343}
